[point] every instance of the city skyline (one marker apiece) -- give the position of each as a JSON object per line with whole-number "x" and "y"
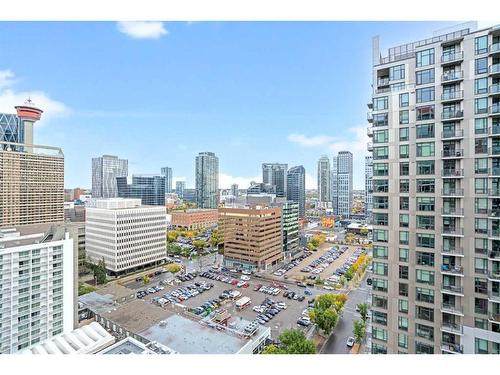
{"x": 187, "y": 100}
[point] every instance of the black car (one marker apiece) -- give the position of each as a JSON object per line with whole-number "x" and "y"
{"x": 369, "y": 281}
{"x": 301, "y": 298}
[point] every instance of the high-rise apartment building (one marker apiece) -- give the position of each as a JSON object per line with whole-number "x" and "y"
{"x": 368, "y": 186}
{"x": 296, "y": 187}
{"x": 207, "y": 180}
{"x": 334, "y": 185}
{"x": 290, "y": 225}
{"x": 105, "y": 170}
{"x": 179, "y": 188}
{"x": 234, "y": 190}
{"x": 275, "y": 174}
{"x": 167, "y": 173}
{"x": 126, "y": 234}
{"x": 149, "y": 188}
{"x": 37, "y": 285}
{"x": 252, "y": 237}
{"x": 344, "y": 183}
{"x": 435, "y": 125}
{"x": 324, "y": 175}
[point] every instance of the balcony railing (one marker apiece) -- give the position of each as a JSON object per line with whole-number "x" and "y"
{"x": 369, "y": 131}
{"x": 450, "y": 347}
{"x": 495, "y": 171}
{"x": 494, "y": 89}
{"x": 453, "y": 328}
{"x": 452, "y": 289}
{"x": 494, "y": 255}
{"x": 457, "y": 133}
{"x": 383, "y": 82}
{"x": 452, "y": 95}
{"x": 494, "y": 109}
{"x": 495, "y": 212}
{"x": 447, "y": 115}
{"x": 450, "y": 57}
{"x": 494, "y": 318}
{"x": 452, "y": 172}
{"x": 369, "y": 116}
{"x": 452, "y": 211}
{"x": 494, "y": 233}
{"x": 452, "y": 76}
{"x": 369, "y": 146}
{"x": 494, "y": 275}
{"x": 452, "y": 153}
{"x": 495, "y": 129}
{"x": 495, "y": 47}
{"x": 452, "y": 251}
{"x": 452, "y": 192}
{"x": 456, "y": 270}
{"x": 455, "y": 231}
{"x": 494, "y": 296}
{"x": 495, "y": 68}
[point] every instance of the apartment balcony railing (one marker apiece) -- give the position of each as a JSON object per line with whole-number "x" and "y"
{"x": 494, "y": 275}
{"x": 452, "y": 95}
{"x": 452, "y": 153}
{"x": 495, "y": 171}
{"x": 448, "y": 115}
{"x": 457, "y": 211}
{"x": 452, "y": 348}
{"x": 369, "y": 146}
{"x": 454, "y": 328}
{"x": 369, "y": 116}
{"x": 495, "y": 150}
{"x": 495, "y": 212}
{"x": 494, "y": 233}
{"x": 452, "y": 289}
{"x": 494, "y": 318}
{"x": 452, "y": 172}
{"x": 452, "y": 192}
{"x": 453, "y": 251}
{"x": 369, "y": 131}
{"x": 452, "y": 57}
{"x": 452, "y": 309}
{"x": 495, "y": 69}
{"x": 494, "y": 109}
{"x": 452, "y": 76}
{"x": 494, "y": 89}
{"x": 455, "y": 270}
{"x": 495, "y": 48}
{"x": 495, "y": 255}
{"x": 383, "y": 82}
{"x": 457, "y": 133}
{"x": 494, "y": 130}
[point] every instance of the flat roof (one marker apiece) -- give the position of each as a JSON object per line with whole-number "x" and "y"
{"x": 128, "y": 345}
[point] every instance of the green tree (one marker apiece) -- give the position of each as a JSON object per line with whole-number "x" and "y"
{"x": 272, "y": 349}
{"x": 364, "y": 231}
{"x": 326, "y": 320}
{"x": 146, "y": 279}
{"x": 173, "y": 268}
{"x": 199, "y": 244}
{"x": 100, "y": 276}
{"x": 363, "y": 311}
{"x": 358, "y": 328}
{"x": 349, "y": 274}
{"x": 293, "y": 341}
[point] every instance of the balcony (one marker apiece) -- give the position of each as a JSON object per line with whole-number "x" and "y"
{"x": 383, "y": 82}
{"x": 494, "y": 172}
{"x": 494, "y": 233}
{"x": 451, "y": 58}
{"x": 494, "y": 213}
{"x": 494, "y": 255}
{"x": 494, "y": 89}
{"x": 452, "y": 154}
{"x": 494, "y": 192}
{"x": 452, "y": 211}
{"x": 453, "y": 251}
{"x": 452, "y": 348}
{"x": 452, "y": 76}
{"x": 494, "y": 109}
{"x": 452, "y": 172}
{"x": 494, "y": 297}
{"x": 452, "y": 231}
{"x": 494, "y": 48}
{"x": 369, "y": 146}
{"x": 452, "y": 309}
{"x": 451, "y": 96}
{"x": 452, "y": 289}
{"x": 452, "y": 270}
{"x": 494, "y": 318}
{"x": 495, "y": 69}
{"x": 369, "y": 131}
{"x": 494, "y": 275}
{"x": 452, "y": 115}
{"x": 448, "y": 134}
{"x": 494, "y": 130}
{"x": 457, "y": 193}
{"x": 456, "y": 329}
{"x": 369, "y": 116}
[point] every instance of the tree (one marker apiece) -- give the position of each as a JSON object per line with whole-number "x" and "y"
{"x": 172, "y": 236}
{"x": 173, "y": 268}
{"x": 326, "y": 320}
{"x": 293, "y": 341}
{"x": 199, "y": 244}
{"x": 349, "y": 274}
{"x": 146, "y": 279}
{"x": 364, "y": 231}
{"x": 272, "y": 349}
{"x": 358, "y": 328}
{"x": 214, "y": 239}
{"x": 100, "y": 272}
{"x": 327, "y": 310}
{"x": 363, "y": 311}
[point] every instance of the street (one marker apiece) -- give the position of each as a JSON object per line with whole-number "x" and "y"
{"x": 336, "y": 344}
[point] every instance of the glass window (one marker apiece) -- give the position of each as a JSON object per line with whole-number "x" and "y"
{"x": 403, "y": 274}
{"x": 404, "y": 220}
{"x": 425, "y": 57}
{"x": 403, "y": 323}
{"x": 404, "y": 186}
{"x": 425, "y": 186}
{"x": 481, "y": 44}
{"x": 425, "y": 167}
{"x": 380, "y": 235}
{"x": 381, "y": 136}
{"x": 403, "y": 255}
{"x": 425, "y": 277}
{"x": 424, "y": 331}
{"x": 380, "y": 119}
{"x": 424, "y": 77}
{"x": 425, "y": 95}
{"x": 425, "y": 295}
{"x": 404, "y": 134}
{"x": 404, "y": 237}
{"x": 396, "y": 72}
{"x": 404, "y": 203}
{"x": 380, "y": 153}
{"x": 403, "y": 306}
{"x": 404, "y": 117}
{"x": 481, "y": 165}
{"x": 402, "y": 341}
{"x": 425, "y": 149}
{"x": 425, "y": 240}
{"x": 380, "y": 103}
{"x": 425, "y": 222}
{"x": 480, "y": 106}
{"x": 482, "y": 65}
{"x": 481, "y": 126}
{"x": 404, "y": 151}
{"x": 380, "y": 186}
{"x": 481, "y": 86}
{"x": 425, "y": 113}
{"x": 481, "y": 185}
{"x": 379, "y": 333}
{"x": 404, "y": 99}
{"x": 481, "y": 346}
{"x": 425, "y": 131}
{"x": 404, "y": 169}
{"x": 380, "y": 252}
{"x": 380, "y": 268}
{"x": 425, "y": 259}
{"x": 380, "y": 169}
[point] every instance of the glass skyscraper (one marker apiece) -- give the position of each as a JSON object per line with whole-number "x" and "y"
{"x": 207, "y": 180}
{"x": 149, "y": 188}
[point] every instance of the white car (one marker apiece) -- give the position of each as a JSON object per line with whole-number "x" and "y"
{"x": 245, "y": 272}
{"x": 326, "y": 287}
{"x": 244, "y": 277}
{"x": 258, "y": 309}
{"x": 350, "y": 342}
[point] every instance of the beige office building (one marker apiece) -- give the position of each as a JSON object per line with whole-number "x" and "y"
{"x": 31, "y": 184}
{"x": 253, "y": 237}
{"x": 435, "y": 125}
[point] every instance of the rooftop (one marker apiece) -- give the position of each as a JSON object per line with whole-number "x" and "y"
{"x": 128, "y": 345}
{"x": 30, "y": 234}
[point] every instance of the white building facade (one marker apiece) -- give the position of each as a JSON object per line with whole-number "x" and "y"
{"x": 125, "y": 234}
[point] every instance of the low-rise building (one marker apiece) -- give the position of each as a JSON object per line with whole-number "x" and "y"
{"x": 126, "y": 234}
{"x": 194, "y": 219}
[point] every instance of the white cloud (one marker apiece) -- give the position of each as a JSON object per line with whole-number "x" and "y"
{"x": 9, "y": 98}
{"x": 142, "y": 29}
{"x": 178, "y": 178}
{"x": 311, "y": 182}
{"x": 225, "y": 181}
{"x": 304, "y": 141}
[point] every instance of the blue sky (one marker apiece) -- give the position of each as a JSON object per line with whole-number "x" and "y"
{"x": 157, "y": 94}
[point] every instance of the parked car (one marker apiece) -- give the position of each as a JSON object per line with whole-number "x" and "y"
{"x": 350, "y": 342}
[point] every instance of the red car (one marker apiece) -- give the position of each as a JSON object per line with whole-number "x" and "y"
{"x": 246, "y": 285}
{"x": 234, "y": 282}
{"x": 257, "y": 287}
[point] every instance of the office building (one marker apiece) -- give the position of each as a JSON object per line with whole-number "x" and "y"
{"x": 207, "y": 180}
{"x": 368, "y": 186}
{"x": 126, "y": 234}
{"x": 252, "y": 237}
{"x": 260, "y": 187}
{"x": 296, "y": 187}
{"x": 167, "y": 173}
{"x": 275, "y": 174}
{"x": 435, "y": 128}
{"x": 189, "y": 195}
{"x": 234, "y": 190}
{"x": 334, "y": 184}
{"x": 324, "y": 182}
{"x": 290, "y": 227}
{"x": 179, "y": 188}
{"x": 195, "y": 219}
{"x": 149, "y": 188}
{"x": 105, "y": 170}
{"x": 38, "y": 295}
{"x": 344, "y": 184}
